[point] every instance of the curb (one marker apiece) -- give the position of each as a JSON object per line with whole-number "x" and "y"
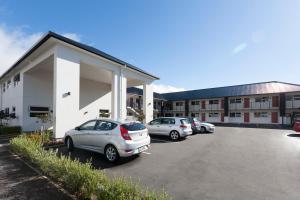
{"x": 61, "y": 189}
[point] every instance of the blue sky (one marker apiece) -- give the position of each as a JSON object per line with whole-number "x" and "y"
{"x": 188, "y": 44}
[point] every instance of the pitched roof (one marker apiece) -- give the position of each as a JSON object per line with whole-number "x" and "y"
{"x": 236, "y": 90}
{"x": 90, "y": 49}
{"x": 138, "y": 91}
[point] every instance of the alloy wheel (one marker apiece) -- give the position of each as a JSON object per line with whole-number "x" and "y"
{"x": 111, "y": 153}
{"x": 174, "y": 135}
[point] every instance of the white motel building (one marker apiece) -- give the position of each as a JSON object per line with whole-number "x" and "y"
{"x": 73, "y": 83}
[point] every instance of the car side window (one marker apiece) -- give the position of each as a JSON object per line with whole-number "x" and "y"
{"x": 105, "y": 126}
{"x": 168, "y": 121}
{"x": 88, "y": 125}
{"x": 155, "y": 122}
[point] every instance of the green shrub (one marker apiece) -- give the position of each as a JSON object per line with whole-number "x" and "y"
{"x": 81, "y": 179}
{"x": 10, "y": 129}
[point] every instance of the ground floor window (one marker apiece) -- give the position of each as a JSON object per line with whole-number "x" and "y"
{"x": 213, "y": 114}
{"x": 235, "y": 114}
{"x": 194, "y": 114}
{"x": 36, "y": 111}
{"x": 179, "y": 115}
{"x": 168, "y": 115}
{"x": 260, "y": 114}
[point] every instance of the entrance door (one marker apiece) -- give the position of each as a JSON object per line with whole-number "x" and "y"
{"x": 274, "y": 117}
{"x": 246, "y": 117}
{"x": 222, "y": 117}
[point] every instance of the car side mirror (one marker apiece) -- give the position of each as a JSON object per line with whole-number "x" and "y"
{"x": 77, "y": 128}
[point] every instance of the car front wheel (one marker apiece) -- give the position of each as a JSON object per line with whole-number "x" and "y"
{"x": 111, "y": 153}
{"x": 69, "y": 143}
{"x": 202, "y": 129}
{"x": 174, "y": 135}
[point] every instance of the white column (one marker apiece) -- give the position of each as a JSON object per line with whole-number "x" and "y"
{"x": 148, "y": 102}
{"x": 115, "y": 96}
{"x": 65, "y": 92}
{"x": 123, "y": 94}
{"x": 118, "y": 97}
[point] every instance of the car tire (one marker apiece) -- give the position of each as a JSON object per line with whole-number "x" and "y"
{"x": 111, "y": 153}
{"x": 69, "y": 144}
{"x": 174, "y": 135}
{"x": 202, "y": 129}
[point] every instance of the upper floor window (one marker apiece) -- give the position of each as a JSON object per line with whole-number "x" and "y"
{"x": 261, "y": 99}
{"x": 195, "y": 103}
{"x": 296, "y": 97}
{"x": 3, "y": 87}
{"x": 179, "y": 104}
{"x": 235, "y": 100}
{"x": 213, "y": 101}
{"x": 16, "y": 79}
{"x": 8, "y": 83}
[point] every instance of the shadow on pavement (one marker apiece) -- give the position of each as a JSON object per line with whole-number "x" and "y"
{"x": 98, "y": 160}
{"x": 293, "y": 135}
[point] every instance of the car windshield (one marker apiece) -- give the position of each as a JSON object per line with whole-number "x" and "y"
{"x": 134, "y": 126}
{"x": 196, "y": 120}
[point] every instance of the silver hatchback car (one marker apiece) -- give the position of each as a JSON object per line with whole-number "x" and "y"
{"x": 114, "y": 139}
{"x": 174, "y": 127}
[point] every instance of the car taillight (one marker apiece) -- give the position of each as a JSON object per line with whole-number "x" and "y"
{"x": 124, "y": 133}
{"x": 183, "y": 126}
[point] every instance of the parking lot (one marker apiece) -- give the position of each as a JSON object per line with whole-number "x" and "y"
{"x": 232, "y": 163}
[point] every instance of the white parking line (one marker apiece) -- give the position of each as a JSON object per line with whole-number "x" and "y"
{"x": 4, "y": 145}
{"x": 146, "y": 153}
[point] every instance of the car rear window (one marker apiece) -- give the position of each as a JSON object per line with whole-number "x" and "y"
{"x": 184, "y": 121}
{"x": 134, "y": 126}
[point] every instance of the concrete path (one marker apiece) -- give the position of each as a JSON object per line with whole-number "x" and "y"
{"x": 18, "y": 181}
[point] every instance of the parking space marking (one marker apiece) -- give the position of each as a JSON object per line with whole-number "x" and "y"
{"x": 146, "y": 153}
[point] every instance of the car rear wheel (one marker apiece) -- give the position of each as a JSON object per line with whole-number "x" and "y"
{"x": 111, "y": 153}
{"x": 202, "y": 129}
{"x": 69, "y": 143}
{"x": 174, "y": 135}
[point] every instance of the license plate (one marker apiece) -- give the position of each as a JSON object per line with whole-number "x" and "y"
{"x": 143, "y": 148}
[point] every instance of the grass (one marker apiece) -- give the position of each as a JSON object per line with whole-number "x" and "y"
{"x": 79, "y": 178}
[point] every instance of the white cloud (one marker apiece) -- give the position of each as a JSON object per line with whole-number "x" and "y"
{"x": 15, "y": 42}
{"x": 72, "y": 36}
{"x": 239, "y": 48}
{"x": 161, "y": 88}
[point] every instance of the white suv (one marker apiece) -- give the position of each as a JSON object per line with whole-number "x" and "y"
{"x": 174, "y": 127}
{"x": 112, "y": 138}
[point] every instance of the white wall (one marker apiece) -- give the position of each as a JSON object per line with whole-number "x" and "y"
{"x": 93, "y": 97}
{"x": 38, "y": 91}
{"x": 13, "y": 97}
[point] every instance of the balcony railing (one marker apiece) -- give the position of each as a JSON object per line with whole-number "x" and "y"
{"x": 211, "y": 107}
{"x": 293, "y": 104}
{"x": 252, "y": 105}
{"x": 194, "y": 107}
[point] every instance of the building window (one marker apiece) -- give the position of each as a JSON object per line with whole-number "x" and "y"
{"x": 179, "y": 115}
{"x": 179, "y": 103}
{"x": 3, "y": 87}
{"x": 8, "y": 83}
{"x": 260, "y": 114}
{"x": 213, "y": 114}
{"x": 104, "y": 113}
{"x": 261, "y": 99}
{"x": 289, "y": 98}
{"x": 36, "y": 111}
{"x": 193, "y": 103}
{"x": 297, "y": 97}
{"x": 235, "y": 114}
{"x": 235, "y": 100}
{"x": 213, "y": 101}
{"x": 13, "y": 109}
{"x": 16, "y": 79}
